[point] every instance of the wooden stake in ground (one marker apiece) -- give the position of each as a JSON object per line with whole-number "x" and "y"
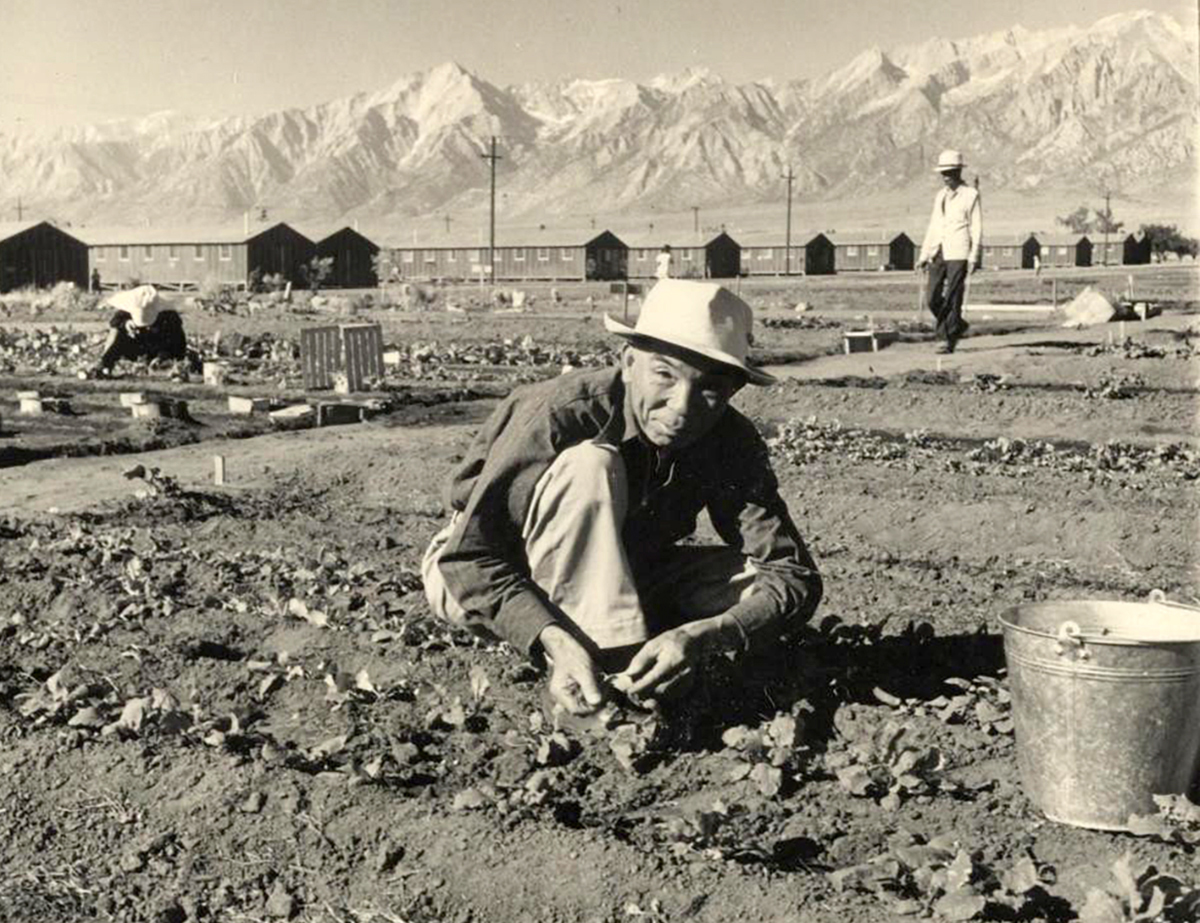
{"x": 219, "y": 470}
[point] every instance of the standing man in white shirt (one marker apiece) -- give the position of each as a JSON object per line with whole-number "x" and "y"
{"x": 662, "y": 264}
{"x": 951, "y": 248}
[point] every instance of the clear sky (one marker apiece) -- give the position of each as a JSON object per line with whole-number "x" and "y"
{"x": 77, "y": 61}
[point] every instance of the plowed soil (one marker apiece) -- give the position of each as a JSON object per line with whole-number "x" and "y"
{"x": 233, "y": 704}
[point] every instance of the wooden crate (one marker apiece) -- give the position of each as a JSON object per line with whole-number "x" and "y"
{"x": 320, "y": 356}
{"x": 362, "y": 352}
{"x": 354, "y": 350}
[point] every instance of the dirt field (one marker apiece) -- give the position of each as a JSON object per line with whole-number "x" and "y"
{"x": 232, "y": 704}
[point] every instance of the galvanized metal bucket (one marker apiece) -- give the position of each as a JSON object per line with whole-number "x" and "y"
{"x": 1106, "y": 705}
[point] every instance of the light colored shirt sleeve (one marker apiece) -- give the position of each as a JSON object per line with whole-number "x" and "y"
{"x": 976, "y": 231}
{"x": 933, "y": 233}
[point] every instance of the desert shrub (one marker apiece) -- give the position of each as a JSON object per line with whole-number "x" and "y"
{"x": 316, "y": 271}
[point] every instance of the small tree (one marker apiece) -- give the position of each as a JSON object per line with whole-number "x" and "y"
{"x": 386, "y": 268}
{"x": 1105, "y": 225}
{"x": 387, "y": 272}
{"x": 1078, "y": 221}
{"x": 1104, "y": 222}
{"x": 316, "y": 271}
{"x": 1166, "y": 238}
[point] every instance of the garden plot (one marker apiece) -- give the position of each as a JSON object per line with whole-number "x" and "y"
{"x": 233, "y": 704}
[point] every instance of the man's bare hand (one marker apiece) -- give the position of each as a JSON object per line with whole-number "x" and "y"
{"x": 921, "y": 264}
{"x": 572, "y": 673}
{"x": 666, "y": 659}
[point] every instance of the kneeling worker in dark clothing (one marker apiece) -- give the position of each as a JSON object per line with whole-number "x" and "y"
{"x": 142, "y": 327}
{"x": 570, "y": 507}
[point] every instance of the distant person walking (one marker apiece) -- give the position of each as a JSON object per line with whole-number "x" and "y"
{"x": 951, "y": 248}
{"x": 96, "y": 281}
{"x": 662, "y": 263}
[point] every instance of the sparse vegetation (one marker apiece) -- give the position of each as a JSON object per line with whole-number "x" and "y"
{"x": 316, "y": 271}
{"x": 233, "y": 703}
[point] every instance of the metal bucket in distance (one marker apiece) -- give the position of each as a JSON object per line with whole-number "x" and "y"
{"x": 1106, "y": 705}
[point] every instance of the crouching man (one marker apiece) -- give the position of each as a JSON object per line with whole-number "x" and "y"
{"x": 569, "y": 505}
{"x": 142, "y": 327}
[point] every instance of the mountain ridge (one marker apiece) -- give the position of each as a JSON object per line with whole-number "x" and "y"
{"x": 1112, "y": 105}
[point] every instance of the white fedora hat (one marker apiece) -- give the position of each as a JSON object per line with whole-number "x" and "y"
{"x": 142, "y": 304}
{"x": 700, "y": 317}
{"x": 949, "y": 160}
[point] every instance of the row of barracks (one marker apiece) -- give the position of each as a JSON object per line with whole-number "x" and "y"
{"x": 41, "y": 254}
{"x": 607, "y": 256}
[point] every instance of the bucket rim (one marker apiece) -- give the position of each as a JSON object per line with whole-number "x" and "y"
{"x": 1008, "y": 624}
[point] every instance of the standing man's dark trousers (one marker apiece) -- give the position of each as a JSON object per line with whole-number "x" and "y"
{"x": 947, "y": 280}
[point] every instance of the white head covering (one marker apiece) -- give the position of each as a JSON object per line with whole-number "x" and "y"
{"x": 142, "y": 304}
{"x": 701, "y": 317}
{"x": 949, "y": 159}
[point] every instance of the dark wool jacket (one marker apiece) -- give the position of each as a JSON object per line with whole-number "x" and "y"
{"x": 727, "y": 473}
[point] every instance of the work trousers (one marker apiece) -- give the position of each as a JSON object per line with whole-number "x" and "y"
{"x": 947, "y": 282}
{"x": 575, "y": 554}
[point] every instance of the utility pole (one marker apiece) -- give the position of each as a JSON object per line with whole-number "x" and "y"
{"x": 448, "y": 220}
{"x": 1107, "y": 221}
{"x": 492, "y": 157}
{"x": 696, "y": 219}
{"x": 787, "y": 245}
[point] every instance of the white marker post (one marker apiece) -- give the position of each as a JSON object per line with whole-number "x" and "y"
{"x": 219, "y": 470}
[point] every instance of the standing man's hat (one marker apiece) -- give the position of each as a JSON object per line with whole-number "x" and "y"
{"x": 700, "y": 317}
{"x": 949, "y": 160}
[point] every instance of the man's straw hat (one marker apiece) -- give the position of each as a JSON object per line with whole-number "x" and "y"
{"x": 949, "y": 160}
{"x": 699, "y": 317}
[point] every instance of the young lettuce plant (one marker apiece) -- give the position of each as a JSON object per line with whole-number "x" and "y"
{"x": 1176, "y": 821}
{"x": 771, "y": 753}
{"x": 940, "y": 879}
{"x": 1141, "y": 897}
{"x": 880, "y": 765}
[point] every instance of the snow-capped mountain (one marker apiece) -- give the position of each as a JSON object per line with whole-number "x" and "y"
{"x": 1114, "y": 103}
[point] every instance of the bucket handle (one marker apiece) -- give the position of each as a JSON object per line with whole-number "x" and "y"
{"x": 1158, "y": 597}
{"x": 1070, "y": 636}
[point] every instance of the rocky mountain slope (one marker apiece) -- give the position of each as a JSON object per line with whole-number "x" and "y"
{"x": 1113, "y": 104}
